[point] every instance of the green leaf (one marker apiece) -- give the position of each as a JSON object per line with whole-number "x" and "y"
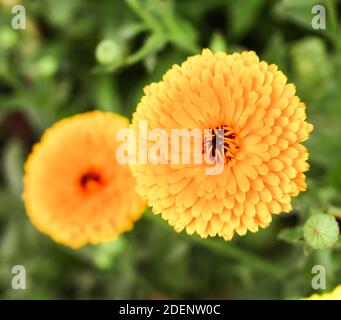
{"x": 60, "y": 13}
{"x": 292, "y": 235}
{"x": 179, "y": 31}
{"x": 277, "y": 51}
{"x": 140, "y": 9}
{"x": 218, "y": 42}
{"x": 296, "y": 11}
{"x": 335, "y": 212}
{"x": 311, "y": 66}
{"x": 244, "y": 15}
{"x": 154, "y": 43}
{"x": 107, "y": 94}
{"x": 300, "y": 13}
{"x": 104, "y": 255}
{"x": 10, "y": 205}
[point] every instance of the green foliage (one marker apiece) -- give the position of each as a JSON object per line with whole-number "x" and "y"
{"x": 292, "y": 235}
{"x": 80, "y": 55}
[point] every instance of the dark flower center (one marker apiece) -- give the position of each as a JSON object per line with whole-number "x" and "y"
{"x": 220, "y": 143}
{"x": 90, "y": 180}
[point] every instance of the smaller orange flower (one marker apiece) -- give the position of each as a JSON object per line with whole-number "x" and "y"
{"x": 74, "y": 190}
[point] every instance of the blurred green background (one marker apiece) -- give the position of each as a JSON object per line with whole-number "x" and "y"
{"x": 78, "y": 55}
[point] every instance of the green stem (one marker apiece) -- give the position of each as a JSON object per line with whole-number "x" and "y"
{"x": 230, "y": 251}
{"x": 332, "y": 15}
{"x": 143, "y": 14}
{"x": 331, "y": 10}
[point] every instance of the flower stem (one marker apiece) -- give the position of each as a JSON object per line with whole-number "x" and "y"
{"x": 229, "y": 251}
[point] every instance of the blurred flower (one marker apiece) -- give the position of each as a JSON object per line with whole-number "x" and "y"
{"x": 264, "y": 160}
{"x": 74, "y": 190}
{"x": 334, "y": 295}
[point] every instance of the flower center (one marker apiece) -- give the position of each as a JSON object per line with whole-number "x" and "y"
{"x": 90, "y": 180}
{"x": 221, "y": 143}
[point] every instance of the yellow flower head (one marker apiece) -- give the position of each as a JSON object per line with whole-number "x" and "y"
{"x": 262, "y": 124}
{"x": 333, "y": 295}
{"x": 74, "y": 190}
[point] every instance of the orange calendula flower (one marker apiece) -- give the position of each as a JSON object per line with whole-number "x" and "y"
{"x": 74, "y": 190}
{"x": 260, "y": 122}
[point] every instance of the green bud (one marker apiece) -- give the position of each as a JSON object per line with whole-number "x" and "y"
{"x": 108, "y": 52}
{"x": 321, "y": 231}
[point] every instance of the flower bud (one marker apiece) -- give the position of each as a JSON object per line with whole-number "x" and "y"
{"x": 108, "y": 52}
{"x": 321, "y": 231}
